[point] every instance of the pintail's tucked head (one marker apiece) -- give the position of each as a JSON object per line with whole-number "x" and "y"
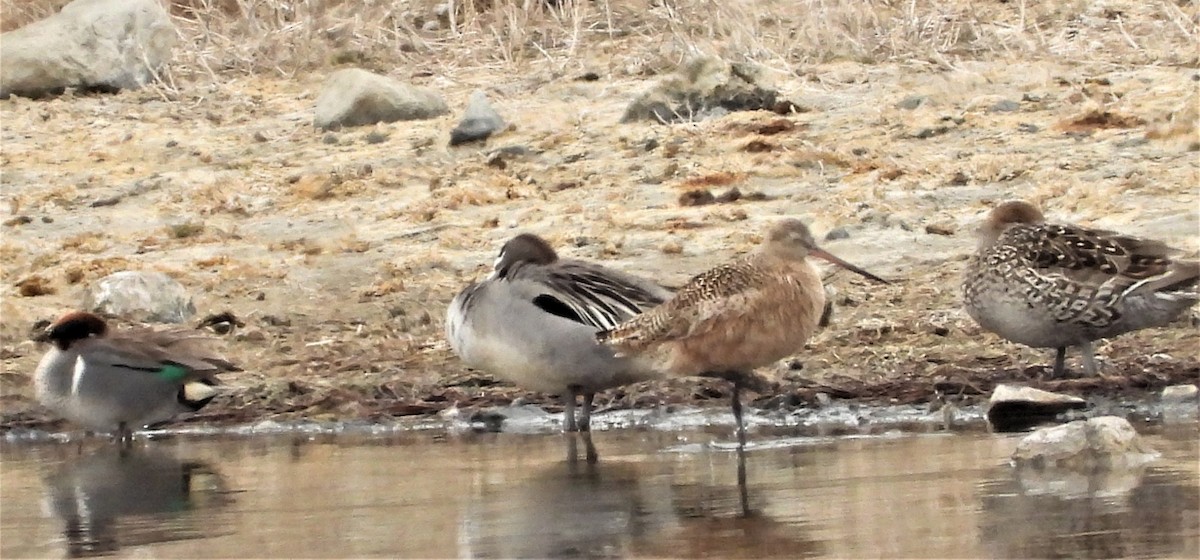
{"x": 524, "y": 248}
{"x": 1006, "y": 215}
{"x": 73, "y": 326}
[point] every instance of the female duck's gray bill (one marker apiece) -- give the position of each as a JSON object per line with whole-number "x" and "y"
{"x": 822, "y": 254}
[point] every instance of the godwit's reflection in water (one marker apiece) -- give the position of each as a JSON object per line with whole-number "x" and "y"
{"x": 621, "y": 507}
{"x": 118, "y": 496}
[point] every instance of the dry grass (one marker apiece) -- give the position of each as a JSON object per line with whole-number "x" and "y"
{"x": 277, "y": 37}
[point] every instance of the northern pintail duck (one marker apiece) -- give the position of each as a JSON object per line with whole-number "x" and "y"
{"x": 123, "y": 380}
{"x": 736, "y": 317}
{"x": 1056, "y": 286}
{"x": 533, "y": 321}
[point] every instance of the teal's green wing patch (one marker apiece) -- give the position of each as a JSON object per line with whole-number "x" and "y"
{"x": 173, "y": 372}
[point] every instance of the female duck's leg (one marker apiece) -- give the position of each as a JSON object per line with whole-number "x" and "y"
{"x": 1089, "y": 359}
{"x": 1060, "y": 358}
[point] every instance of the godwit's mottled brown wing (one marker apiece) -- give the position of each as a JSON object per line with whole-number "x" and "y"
{"x": 696, "y": 307}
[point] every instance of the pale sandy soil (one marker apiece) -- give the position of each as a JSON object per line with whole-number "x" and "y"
{"x": 341, "y": 257}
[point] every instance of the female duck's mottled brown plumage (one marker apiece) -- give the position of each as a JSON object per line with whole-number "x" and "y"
{"x": 741, "y": 315}
{"x": 1054, "y": 285}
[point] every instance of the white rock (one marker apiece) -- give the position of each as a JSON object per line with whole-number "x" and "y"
{"x": 356, "y": 97}
{"x": 1016, "y": 407}
{"x": 145, "y": 296}
{"x": 1107, "y": 442}
{"x": 108, "y": 44}
{"x": 1179, "y": 394}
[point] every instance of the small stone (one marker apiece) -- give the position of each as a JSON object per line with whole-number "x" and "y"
{"x": 172, "y": 143}
{"x": 1179, "y": 394}
{"x": 1015, "y": 408}
{"x": 912, "y": 102}
{"x": 696, "y": 197}
{"x": 940, "y": 228}
{"x": 250, "y": 334}
{"x": 930, "y": 132}
{"x": 1005, "y": 106}
{"x": 18, "y": 221}
{"x": 329, "y": 138}
{"x": 1028, "y": 128}
{"x": 260, "y": 137}
{"x": 588, "y": 77}
{"x": 479, "y": 121}
{"x": 376, "y": 137}
{"x": 836, "y": 233}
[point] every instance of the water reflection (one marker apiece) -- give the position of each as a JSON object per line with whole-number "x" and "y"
{"x": 1031, "y": 513}
{"x": 653, "y": 494}
{"x": 569, "y": 510}
{"x": 118, "y": 496}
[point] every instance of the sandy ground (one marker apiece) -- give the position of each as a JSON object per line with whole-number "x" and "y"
{"x": 340, "y": 255}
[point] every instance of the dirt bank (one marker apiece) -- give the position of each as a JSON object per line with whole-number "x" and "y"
{"x": 340, "y": 254}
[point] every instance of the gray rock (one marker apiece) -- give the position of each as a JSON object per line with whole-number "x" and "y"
{"x": 1107, "y": 442}
{"x": 703, "y": 88}
{"x": 1180, "y": 394}
{"x": 912, "y": 102}
{"x": 479, "y": 121}
{"x": 103, "y": 45}
{"x": 356, "y": 97}
{"x": 1015, "y": 408}
{"x": 836, "y": 233}
{"x": 1005, "y": 106}
{"x": 145, "y": 296}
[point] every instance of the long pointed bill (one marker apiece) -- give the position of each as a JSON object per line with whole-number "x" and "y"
{"x": 822, "y": 254}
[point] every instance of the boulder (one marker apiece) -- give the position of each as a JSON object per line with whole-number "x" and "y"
{"x": 143, "y": 296}
{"x": 1014, "y": 407}
{"x": 703, "y": 88}
{"x": 479, "y": 121}
{"x": 104, "y": 45}
{"x": 1106, "y": 442}
{"x": 356, "y": 97}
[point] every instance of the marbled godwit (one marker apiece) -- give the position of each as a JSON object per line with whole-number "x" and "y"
{"x": 533, "y": 322}
{"x": 736, "y": 317}
{"x": 1054, "y": 286}
{"x": 124, "y": 380}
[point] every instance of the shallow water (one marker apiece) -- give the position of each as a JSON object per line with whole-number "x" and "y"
{"x": 653, "y": 494}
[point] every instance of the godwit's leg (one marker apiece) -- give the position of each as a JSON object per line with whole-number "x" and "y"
{"x": 1089, "y": 359}
{"x": 736, "y": 403}
{"x": 743, "y": 493}
{"x": 589, "y": 448}
{"x": 1060, "y": 359}
{"x": 569, "y": 411}
{"x": 585, "y": 420}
